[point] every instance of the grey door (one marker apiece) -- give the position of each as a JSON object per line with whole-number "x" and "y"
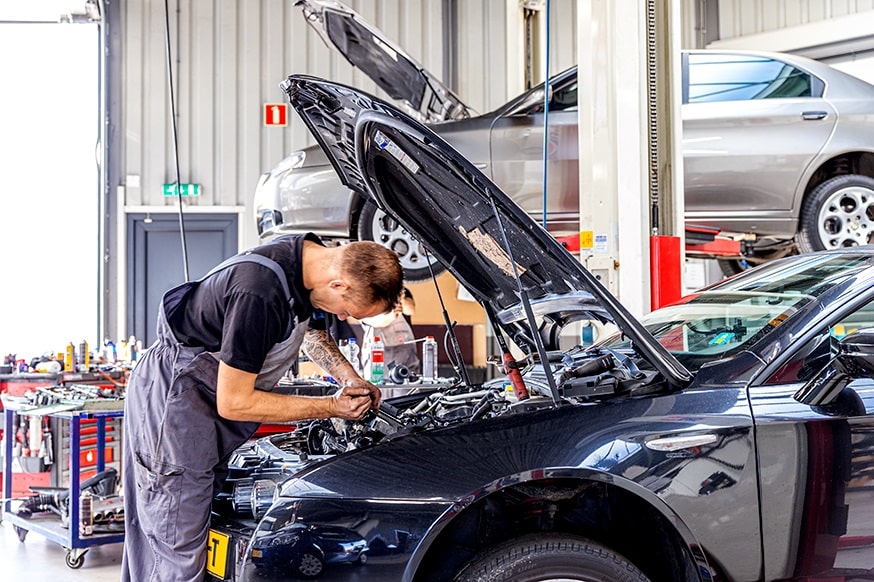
{"x": 155, "y": 260}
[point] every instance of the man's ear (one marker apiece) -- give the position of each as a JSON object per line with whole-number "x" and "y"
{"x": 338, "y": 285}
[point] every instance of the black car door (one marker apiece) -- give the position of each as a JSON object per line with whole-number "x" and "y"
{"x": 816, "y": 462}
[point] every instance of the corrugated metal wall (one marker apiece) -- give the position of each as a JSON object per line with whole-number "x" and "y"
{"x": 229, "y": 57}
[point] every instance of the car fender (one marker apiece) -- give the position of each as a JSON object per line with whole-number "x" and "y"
{"x": 457, "y": 509}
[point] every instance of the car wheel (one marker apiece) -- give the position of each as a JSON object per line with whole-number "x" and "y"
{"x": 375, "y": 225}
{"x": 362, "y": 559}
{"x": 838, "y": 213}
{"x": 548, "y": 557}
{"x": 309, "y": 564}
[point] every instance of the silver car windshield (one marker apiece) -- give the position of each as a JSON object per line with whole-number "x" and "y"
{"x": 727, "y": 317}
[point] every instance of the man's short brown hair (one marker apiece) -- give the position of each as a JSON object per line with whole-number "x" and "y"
{"x": 376, "y": 272}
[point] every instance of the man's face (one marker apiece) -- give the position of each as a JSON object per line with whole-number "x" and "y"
{"x": 338, "y": 298}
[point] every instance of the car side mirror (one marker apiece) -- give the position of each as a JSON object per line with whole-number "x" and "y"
{"x": 534, "y": 102}
{"x": 854, "y": 358}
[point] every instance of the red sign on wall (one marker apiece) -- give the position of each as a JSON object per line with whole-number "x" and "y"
{"x": 276, "y": 114}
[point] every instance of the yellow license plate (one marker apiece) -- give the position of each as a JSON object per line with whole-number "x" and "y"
{"x": 256, "y": 553}
{"x": 217, "y": 548}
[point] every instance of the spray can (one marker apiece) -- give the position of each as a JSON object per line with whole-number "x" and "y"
{"x": 84, "y": 357}
{"x": 377, "y": 361}
{"x": 354, "y": 355}
{"x": 429, "y": 359}
{"x": 86, "y": 514}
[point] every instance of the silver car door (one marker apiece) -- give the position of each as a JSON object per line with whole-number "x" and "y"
{"x": 745, "y": 144}
{"x": 517, "y": 159}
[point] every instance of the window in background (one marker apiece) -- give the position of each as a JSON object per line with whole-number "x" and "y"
{"x": 49, "y": 113}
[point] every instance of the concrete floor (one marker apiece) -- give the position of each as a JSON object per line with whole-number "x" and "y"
{"x": 40, "y": 560}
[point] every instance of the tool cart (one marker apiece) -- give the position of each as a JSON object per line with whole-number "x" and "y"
{"x": 85, "y": 513}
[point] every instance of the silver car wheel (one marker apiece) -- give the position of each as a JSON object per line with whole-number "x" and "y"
{"x": 846, "y": 219}
{"x": 310, "y": 565}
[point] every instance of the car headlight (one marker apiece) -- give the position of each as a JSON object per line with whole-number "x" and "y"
{"x": 255, "y": 496}
{"x": 284, "y": 540}
{"x": 292, "y": 162}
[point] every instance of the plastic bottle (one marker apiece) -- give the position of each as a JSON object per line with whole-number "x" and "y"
{"x": 70, "y": 358}
{"x": 343, "y": 344}
{"x": 84, "y": 357}
{"x": 377, "y": 361}
{"x": 354, "y": 355}
{"x": 429, "y": 359}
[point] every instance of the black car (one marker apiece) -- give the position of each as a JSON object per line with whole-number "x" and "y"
{"x": 729, "y": 436}
{"x": 286, "y": 547}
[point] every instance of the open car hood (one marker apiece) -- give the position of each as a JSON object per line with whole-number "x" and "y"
{"x": 386, "y": 64}
{"x": 464, "y": 219}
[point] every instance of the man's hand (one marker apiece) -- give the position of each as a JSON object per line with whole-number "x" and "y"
{"x": 354, "y": 399}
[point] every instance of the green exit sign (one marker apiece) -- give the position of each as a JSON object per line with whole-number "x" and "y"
{"x": 184, "y": 189}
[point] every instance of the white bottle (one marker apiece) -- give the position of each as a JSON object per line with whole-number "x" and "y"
{"x": 429, "y": 359}
{"x": 354, "y": 355}
{"x": 377, "y": 361}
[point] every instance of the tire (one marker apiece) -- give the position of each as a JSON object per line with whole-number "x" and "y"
{"x": 375, "y": 225}
{"x": 72, "y": 562}
{"x": 838, "y": 213}
{"x": 309, "y": 564}
{"x": 549, "y": 557}
{"x": 731, "y": 267}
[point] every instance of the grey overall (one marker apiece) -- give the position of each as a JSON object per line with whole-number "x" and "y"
{"x": 177, "y": 446}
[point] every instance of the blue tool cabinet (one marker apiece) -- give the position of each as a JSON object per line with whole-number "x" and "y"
{"x": 49, "y": 525}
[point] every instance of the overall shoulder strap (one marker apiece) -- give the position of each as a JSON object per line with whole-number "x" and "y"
{"x": 250, "y": 257}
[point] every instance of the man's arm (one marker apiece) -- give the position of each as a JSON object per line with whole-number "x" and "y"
{"x": 325, "y": 353}
{"x": 237, "y": 399}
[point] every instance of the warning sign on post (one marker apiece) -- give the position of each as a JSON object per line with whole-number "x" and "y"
{"x": 275, "y": 114}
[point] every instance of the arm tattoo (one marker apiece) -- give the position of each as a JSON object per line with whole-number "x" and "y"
{"x": 321, "y": 350}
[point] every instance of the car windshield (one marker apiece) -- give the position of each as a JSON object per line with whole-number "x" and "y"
{"x": 732, "y": 315}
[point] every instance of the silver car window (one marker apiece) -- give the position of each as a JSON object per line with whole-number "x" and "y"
{"x": 735, "y": 77}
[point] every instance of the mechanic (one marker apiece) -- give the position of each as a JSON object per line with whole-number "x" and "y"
{"x": 395, "y": 331}
{"x": 203, "y": 387}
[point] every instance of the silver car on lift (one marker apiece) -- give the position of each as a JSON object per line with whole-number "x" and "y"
{"x": 778, "y": 150}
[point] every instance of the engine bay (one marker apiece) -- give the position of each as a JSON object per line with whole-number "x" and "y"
{"x": 581, "y": 375}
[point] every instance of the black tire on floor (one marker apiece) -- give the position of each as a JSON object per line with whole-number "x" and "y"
{"x": 375, "y": 225}
{"x": 546, "y": 556}
{"x": 837, "y": 213}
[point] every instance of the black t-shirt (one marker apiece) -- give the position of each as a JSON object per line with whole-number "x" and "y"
{"x": 241, "y": 311}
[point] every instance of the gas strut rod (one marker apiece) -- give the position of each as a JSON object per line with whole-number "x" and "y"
{"x": 526, "y": 304}
{"x": 458, "y": 361}
{"x": 511, "y": 367}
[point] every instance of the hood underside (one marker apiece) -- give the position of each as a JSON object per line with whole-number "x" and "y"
{"x": 386, "y": 64}
{"x": 490, "y": 244}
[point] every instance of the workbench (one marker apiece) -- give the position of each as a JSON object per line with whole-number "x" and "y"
{"x": 49, "y": 524}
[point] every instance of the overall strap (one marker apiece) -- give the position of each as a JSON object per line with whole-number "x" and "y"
{"x": 250, "y": 257}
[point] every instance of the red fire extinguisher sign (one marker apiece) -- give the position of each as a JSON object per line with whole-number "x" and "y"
{"x": 275, "y": 114}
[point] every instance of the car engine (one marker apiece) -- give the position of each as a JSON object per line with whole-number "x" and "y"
{"x": 580, "y": 376}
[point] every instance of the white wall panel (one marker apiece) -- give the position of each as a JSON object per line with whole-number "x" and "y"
{"x": 739, "y": 18}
